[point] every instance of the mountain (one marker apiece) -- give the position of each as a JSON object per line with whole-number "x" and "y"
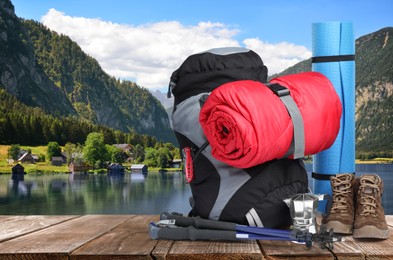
{"x": 164, "y": 100}
{"x": 19, "y": 73}
{"x": 44, "y": 69}
{"x": 374, "y": 91}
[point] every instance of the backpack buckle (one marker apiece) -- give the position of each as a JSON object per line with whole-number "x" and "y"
{"x": 279, "y": 90}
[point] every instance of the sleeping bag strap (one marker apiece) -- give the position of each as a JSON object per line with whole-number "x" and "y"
{"x": 298, "y": 140}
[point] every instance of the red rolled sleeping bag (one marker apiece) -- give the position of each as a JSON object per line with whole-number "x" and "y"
{"x": 247, "y": 124}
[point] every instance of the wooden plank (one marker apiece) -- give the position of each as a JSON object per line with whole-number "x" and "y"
{"x": 347, "y": 250}
{"x": 129, "y": 239}
{"x": 214, "y": 250}
{"x": 5, "y": 217}
{"x": 290, "y": 250}
{"x": 126, "y": 236}
{"x": 162, "y": 248}
{"x": 389, "y": 220}
{"x": 14, "y": 226}
{"x": 373, "y": 248}
{"x": 286, "y": 249}
{"x": 56, "y": 242}
{"x": 369, "y": 248}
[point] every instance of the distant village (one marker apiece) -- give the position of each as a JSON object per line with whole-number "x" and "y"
{"x": 77, "y": 164}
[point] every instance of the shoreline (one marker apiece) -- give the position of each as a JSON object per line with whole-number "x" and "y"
{"x": 97, "y": 171}
{"x": 41, "y": 168}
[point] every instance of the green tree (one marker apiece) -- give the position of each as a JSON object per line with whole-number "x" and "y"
{"x": 13, "y": 151}
{"x": 151, "y": 157}
{"x": 69, "y": 149}
{"x": 110, "y": 149}
{"x": 53, "y": 149}
{"x": 117, "y": 156}
{"x": 41, "y": 157}
{"x": 163, "y": 157}
{"x": 139, "y": 153}
{"x": 94, "y": 149}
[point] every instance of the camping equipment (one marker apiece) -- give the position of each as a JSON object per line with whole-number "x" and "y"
{"x": 251, "y": 196}
{"x": 248, "y": 123}
{"x": 178, "y": 227}
{"x": 304, "y": 210}
{"x": 333, "y": 55}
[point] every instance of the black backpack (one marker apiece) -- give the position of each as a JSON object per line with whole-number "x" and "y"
{"x": 252, "y": 196}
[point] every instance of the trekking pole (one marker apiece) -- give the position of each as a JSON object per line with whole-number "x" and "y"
{"x": 176, "y": 227}
{"x": 200, "y": 223}
{"x": 158, "y": 231}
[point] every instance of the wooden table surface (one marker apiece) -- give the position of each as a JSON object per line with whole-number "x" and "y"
{"x": 126, "y": 236}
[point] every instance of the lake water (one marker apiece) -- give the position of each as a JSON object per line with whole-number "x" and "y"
{"x": 59, "y": 194}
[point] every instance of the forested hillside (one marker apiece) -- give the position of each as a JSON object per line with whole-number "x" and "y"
{"x": 45, "y": 70}
{"x": 22, "y": 124}
{"x": 374, "y": 92}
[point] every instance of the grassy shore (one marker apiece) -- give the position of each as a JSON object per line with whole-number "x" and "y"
{"x": 46, "y": 167}
{"x": 40, "y": 167}
{"x": 375, "y": 161}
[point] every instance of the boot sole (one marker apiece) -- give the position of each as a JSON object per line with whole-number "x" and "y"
{"x": 371, "y": 232}
{"x": 339, "y": 227}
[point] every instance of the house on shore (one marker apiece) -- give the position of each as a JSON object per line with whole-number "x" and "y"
{"x": 127, "y": 150}
{"x": 26, "y": 158}
{"x": 115, "y": 168}
{"x": 18, "y": 172}
{"x": 78, "y": 167}
{"x": 139, "y": 168}
{"x": 57, "y": 161}
{"x": 176, "y": 163}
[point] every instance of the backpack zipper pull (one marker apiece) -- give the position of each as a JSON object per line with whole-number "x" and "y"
{"x": 170, "y": 88}
{"x": 188, "y": 164}
{"x": 172, "y": 83}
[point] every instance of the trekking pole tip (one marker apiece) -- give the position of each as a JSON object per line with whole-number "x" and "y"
{"x": 153, "y": 230}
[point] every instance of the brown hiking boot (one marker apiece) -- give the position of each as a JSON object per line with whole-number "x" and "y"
{"x": 341, "y": 215}
{"x": 370, "y": 219}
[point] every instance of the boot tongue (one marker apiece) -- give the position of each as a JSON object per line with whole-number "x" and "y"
{"x": 369, "y": 197}
{"x": 368, "y": 190}
{"x": 342, "y": 187}
{"x": 369, "y": 185}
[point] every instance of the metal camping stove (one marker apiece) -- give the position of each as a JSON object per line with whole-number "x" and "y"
{"x": 304, "y": 209}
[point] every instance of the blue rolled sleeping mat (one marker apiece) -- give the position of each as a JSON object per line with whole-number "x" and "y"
{"x": 333, "y": 48}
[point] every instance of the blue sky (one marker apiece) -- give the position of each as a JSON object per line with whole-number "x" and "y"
{"x": 279, "y": 30}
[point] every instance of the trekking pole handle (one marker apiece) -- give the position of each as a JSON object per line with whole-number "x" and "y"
{"x": 190, "y": 233}
{"x": 198, "y": 222}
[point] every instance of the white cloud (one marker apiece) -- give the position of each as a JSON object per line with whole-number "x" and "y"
{"x": 149, "y": 53}
{"x": 278, "y": 57}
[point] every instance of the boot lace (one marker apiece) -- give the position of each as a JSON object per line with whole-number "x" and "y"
{"x": 369, "y": 192}
{"x": 341, "y": 187}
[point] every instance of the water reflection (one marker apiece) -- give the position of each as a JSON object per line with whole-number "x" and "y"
{"x": 94, "y": 194}
{"x": 19, "y": 188}
{"x": 135, "y": 193}
{"x": 138, "y": 177}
